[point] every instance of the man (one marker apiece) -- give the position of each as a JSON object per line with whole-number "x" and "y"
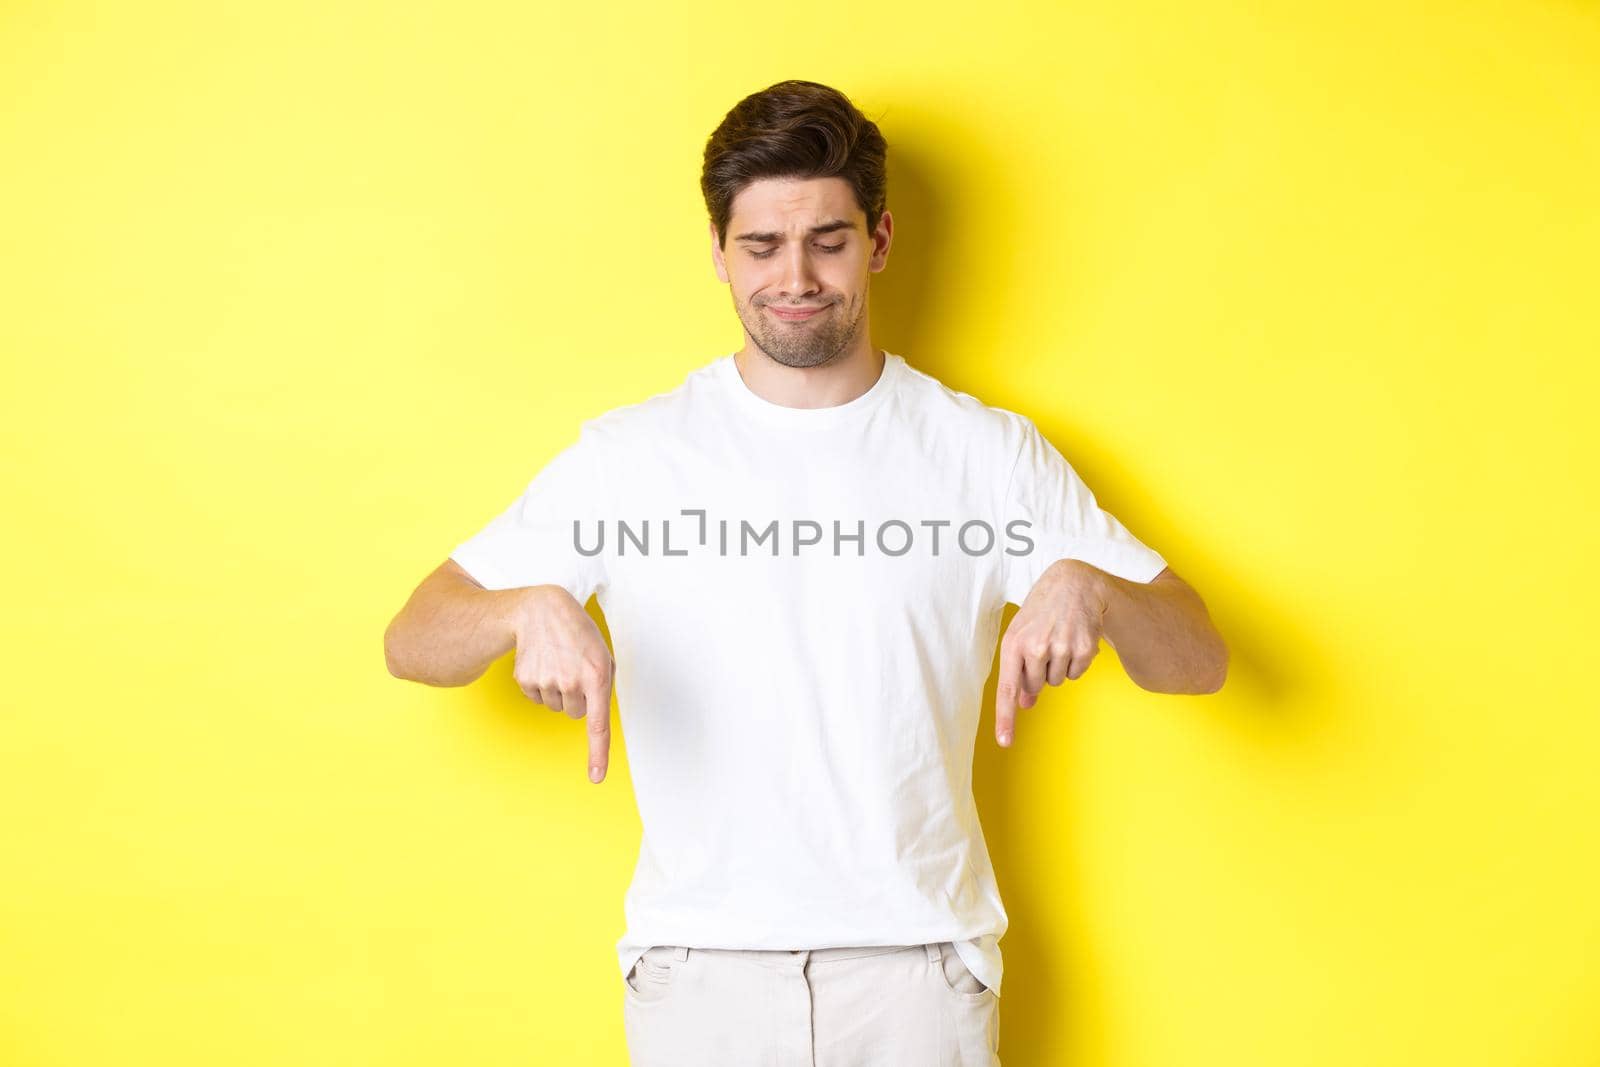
{"x": 803, "y": 554}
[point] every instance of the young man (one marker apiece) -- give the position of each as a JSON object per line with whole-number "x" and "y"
{"x": 803, "y": 553}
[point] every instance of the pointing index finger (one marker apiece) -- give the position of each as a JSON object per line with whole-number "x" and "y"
{"x": 1005, "y": 696}
{"x": 597, "y": 725}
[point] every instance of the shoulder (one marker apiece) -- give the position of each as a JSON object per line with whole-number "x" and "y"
{"x": 648, "y": 419}
{"x": 950, "y": 410}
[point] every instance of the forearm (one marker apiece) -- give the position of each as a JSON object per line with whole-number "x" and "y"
{"x": 451, "y": 630}
{"x": 1163, "y": 635}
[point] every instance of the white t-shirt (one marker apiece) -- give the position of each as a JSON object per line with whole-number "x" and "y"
{"x": 800, "y": 710}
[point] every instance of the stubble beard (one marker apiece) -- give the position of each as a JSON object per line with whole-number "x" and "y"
{"x": 813, "y": 342}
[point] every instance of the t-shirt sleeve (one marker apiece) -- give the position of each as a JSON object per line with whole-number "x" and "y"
{"x": 533, "y": 542}
{"x": 1064, "y": 522}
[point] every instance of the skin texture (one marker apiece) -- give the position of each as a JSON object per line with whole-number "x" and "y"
{"x": 451, "y": 628}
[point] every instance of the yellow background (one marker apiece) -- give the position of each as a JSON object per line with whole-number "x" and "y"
{"x": 296, "y": 296}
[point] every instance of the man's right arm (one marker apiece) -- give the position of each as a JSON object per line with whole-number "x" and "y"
{"x": 452, "y": 628}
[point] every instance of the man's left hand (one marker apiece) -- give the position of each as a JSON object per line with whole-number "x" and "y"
{"x": 1054, "y": 635}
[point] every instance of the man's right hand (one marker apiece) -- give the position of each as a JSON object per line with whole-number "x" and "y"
{"x": 563, "y": 663}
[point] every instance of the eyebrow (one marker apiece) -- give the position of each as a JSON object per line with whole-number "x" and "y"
{"x": 777, "y": 235}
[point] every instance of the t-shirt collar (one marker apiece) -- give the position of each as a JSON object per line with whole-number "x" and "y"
{"x": 760, "y": 407}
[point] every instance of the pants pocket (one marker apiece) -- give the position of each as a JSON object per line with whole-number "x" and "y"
{"x": 958, "y": 977}
{"x": 651, "y": 977}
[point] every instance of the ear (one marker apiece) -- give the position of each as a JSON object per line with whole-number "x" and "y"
{"x": 882, "y": 236}
{"x": 716, "y": 253}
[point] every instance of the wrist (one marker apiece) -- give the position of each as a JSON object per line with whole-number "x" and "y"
{"x": 1102, "y": 588}
{"x": 1089, "y": 584}
{"x": 512, "y": 610}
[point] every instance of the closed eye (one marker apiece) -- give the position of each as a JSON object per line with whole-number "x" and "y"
{"x": 830, "y": 249}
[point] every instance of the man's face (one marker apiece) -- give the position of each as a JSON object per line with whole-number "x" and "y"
{"x": 800, "y": 244}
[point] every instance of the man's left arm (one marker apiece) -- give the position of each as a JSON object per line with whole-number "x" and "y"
{"x": 1160, "y": 629}
{"x": 1161, "y": 632}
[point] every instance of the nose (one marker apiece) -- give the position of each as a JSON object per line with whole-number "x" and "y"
{"x": 799, "y": 274}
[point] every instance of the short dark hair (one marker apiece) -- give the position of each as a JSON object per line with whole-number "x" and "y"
{"x": 793, "y": 129}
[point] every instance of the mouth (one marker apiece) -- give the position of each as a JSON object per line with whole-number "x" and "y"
{"x": 797, "y": 314}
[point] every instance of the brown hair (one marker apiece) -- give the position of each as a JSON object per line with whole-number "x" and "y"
{"x": 793, "y": 129}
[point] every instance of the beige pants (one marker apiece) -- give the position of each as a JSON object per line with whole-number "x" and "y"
{"x": 900, "y": 1006}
